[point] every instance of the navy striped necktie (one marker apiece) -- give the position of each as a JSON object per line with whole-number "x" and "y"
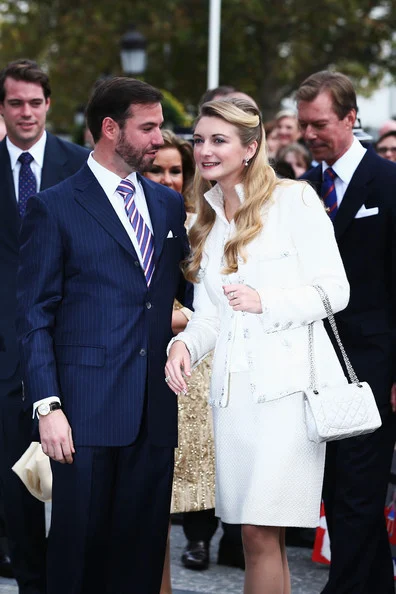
{"x": 143, "y": 234}
{"x": 328, "y": 192}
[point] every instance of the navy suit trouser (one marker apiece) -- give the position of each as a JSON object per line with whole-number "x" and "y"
{"x": 356, "y": 480}
{"x": 24, "y": 515}
{"x": 110, "y": 515}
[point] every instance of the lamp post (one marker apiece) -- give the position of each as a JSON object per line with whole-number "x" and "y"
{"x": 214, "y": 43}
{"x": 133, "y": 52}
{"x": 79, "y": 116}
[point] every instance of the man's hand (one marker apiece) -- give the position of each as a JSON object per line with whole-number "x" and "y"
{"x": 56, "y": 437}
{"x": 393, "y": 397}
{"x": 243, "y": 298}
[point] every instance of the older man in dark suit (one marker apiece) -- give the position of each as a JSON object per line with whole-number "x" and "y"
{"x": 30, "y": 159}
{"x": 99, "y": 272}
{"x": 359, "y": 192}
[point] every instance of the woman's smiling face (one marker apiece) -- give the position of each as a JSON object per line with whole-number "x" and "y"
{"x": 218, "y": 151}
{"x": 167, "y": 168}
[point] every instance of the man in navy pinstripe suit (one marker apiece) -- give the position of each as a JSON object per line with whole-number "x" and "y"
{"x": 25, "y": 97}
{"x": 93, "y": 332}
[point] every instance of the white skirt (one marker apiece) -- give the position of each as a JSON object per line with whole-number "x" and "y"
{"x": 267, "y": 471}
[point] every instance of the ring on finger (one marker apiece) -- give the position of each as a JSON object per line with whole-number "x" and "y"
{"x": 167, "y": 378}
{"x": 232, "y": 294}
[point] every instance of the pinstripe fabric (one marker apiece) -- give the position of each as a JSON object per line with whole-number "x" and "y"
{"x": 91, "y": 330}
{"x": 28, "y": 548}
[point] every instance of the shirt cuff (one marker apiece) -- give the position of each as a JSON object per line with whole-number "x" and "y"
{"x": 43, "y": 401}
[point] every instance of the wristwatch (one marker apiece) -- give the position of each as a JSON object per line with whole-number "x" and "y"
{"x": 47, "y": 407}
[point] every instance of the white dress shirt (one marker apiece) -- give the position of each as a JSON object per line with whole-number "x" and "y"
{"x": 37, "y": 152}
{"x": 345, "y": 167}
{"x": 109, "y": 182}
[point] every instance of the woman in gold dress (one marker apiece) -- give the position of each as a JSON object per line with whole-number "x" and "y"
{"x": 193, "y": 483}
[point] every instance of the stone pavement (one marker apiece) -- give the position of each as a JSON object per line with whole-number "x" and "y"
{"x": 307, "y": 577}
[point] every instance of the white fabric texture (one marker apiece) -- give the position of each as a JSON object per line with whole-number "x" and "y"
{"x": 295, "y": 250}
{"x": 267, "y": 471}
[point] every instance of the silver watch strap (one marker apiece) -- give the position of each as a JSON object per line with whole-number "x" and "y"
{"x": 329, "y": 313}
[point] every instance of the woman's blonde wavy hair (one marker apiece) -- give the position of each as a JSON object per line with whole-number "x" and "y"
{"x": 258, "y": 179}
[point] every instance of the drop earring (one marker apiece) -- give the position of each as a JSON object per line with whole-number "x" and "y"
{"x": 246, "y": 162}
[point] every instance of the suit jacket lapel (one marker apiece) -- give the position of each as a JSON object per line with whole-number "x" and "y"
{"x": 53, "y": 165}
{"x": 355, "y": 195}
{"x": 90, "y": 195}
{"x": 9, "y": 207}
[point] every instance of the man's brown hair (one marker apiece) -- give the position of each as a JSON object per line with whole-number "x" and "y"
{"x": 338, "y": 85}
{"x": 26, "y": 70}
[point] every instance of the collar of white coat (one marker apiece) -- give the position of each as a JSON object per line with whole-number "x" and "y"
{"x": 215, "y": 198}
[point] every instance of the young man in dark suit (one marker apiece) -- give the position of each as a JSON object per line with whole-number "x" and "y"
{"x": 30, "y": 159}
{"x": 358, "y": 189}
{"x": 99, "y": 272}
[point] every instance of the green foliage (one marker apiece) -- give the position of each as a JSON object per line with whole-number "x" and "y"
{"x": 267, "y": 48}
{"x": 174, "y": 112}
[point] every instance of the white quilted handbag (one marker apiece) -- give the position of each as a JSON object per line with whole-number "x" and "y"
{"x": 338, "y": 412}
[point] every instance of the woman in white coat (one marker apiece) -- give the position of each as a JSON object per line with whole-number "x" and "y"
{"x": 258, "y": 248}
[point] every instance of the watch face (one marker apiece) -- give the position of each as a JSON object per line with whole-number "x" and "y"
{"x": 44, "y": 409}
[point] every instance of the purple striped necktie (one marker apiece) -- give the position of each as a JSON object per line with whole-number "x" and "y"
{"x": 328, "y": 192}
{"x": 143, "y": 233}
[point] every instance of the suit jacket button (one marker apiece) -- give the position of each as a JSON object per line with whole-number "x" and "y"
{"x": 142, "y": 352}
{"x": 148, "y": 305}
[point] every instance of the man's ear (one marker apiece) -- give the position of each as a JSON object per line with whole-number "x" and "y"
{"x": 110, "y": 128}
{"x": 350, "y": 118}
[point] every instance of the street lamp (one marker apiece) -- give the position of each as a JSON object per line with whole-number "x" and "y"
{"x": 214, "y": 43}
{"x": 133, "y": 52}
{"x": 79, "y": 116}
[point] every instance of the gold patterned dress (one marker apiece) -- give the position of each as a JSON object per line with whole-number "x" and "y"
{"x": 194, "y": 475}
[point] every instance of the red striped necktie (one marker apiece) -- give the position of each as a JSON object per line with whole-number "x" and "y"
{"x": 328, "y": 192}
{"x": 143, "y": 234}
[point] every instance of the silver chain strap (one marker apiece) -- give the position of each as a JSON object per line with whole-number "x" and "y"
{"x": 330, "y": 316}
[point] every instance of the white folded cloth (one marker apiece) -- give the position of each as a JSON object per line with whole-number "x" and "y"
{"x": 34, "y": 470}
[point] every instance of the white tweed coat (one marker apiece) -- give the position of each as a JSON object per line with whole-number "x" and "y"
{"x": 295, "y": 251}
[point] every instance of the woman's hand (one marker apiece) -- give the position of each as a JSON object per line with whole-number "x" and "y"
{"x": 179, "y": 362}
{"x": 243, "y": 298}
